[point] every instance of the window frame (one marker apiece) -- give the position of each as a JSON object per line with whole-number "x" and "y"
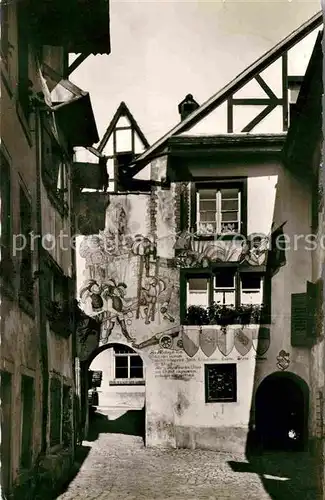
{"x": 210, "y": 274}
{"x": 55, "y": 279}
{"x": 223, "y": 183}
{"x": 127, "y": 380}
{"x": 59, "y": 198}
{"x": 225, "y": 367}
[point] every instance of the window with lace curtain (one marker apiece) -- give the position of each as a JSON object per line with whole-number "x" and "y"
{"x": 219, "y": 208}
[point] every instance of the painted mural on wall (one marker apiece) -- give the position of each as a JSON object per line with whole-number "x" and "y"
{"x": 130, "y": 289}
{"x": 133, "y": 290}
{"x": 193, "y": 252}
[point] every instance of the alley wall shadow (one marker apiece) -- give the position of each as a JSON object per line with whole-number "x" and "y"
{"x": 82, "y": 453}
{"x": 284, "y": 475}
{"x": 131, "y": 423}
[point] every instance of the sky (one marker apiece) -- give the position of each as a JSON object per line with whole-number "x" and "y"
{"x": 163, "y": 50}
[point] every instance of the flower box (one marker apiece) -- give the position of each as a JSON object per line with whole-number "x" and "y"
{"x": 217, "y": 314}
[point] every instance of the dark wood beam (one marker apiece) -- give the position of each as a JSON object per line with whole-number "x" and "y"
{"x": 285, "y": 91}
{"x": 259, "y": 118}
{"x": 76, "y": 63}
{"x": 230, "y": 116}
{"x": 256, "y": 102}
{"x": 265, "y": 87}
{"x": 257, "y": 67}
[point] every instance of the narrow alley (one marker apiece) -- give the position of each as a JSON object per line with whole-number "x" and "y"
{"x": 118, "y": 466}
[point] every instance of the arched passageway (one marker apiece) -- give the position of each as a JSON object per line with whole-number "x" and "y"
{"x": 116, "y": 391}
{"x": 281, "y": 412}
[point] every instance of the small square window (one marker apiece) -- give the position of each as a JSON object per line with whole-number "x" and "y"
{"x": 221, "y": 383}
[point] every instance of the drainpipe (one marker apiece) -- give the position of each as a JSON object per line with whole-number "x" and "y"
{"x": 40, "y": 288}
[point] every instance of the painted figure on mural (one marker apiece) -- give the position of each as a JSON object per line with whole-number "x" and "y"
{"x": 254, "y": 249}
{"x": 165, "y": 306}
{"x": 117, "y": 309}
{"x": 92, "y": 249}
{"x": 149, "y": 297}
{"x": 92, "y": 290}
{"x": 108, "y": 302}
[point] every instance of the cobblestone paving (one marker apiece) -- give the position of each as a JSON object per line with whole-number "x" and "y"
{"x": 120, "y": 467}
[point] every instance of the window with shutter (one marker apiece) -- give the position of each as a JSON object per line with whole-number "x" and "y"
{"x": 305, "y": 311}
{"x": 299, "y": 320}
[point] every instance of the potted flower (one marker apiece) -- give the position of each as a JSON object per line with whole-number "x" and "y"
{"x": 245, "y": 314}
{"x": 228, "y": 315}
{"x": 196, "y": 315}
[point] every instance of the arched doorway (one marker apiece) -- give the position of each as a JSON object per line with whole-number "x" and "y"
{"x": 119, "y": 402}
{"x": 281, "y": 412}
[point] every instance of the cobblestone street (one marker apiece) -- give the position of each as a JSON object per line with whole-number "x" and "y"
{"x": 119, "y": 466}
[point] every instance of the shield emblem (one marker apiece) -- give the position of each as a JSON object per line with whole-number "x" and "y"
{"x": 225, "y": 340}
{"x": 208, "y": 341}
{"x": 191, "y": 340}
{"x": 261, "y": 340}
{"x": 243, "y": 341}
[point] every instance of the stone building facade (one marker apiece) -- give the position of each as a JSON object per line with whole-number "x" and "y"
{"x": 43, "y": 118}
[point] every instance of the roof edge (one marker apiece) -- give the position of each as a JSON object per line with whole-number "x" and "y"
{"x": 214, "y": 101}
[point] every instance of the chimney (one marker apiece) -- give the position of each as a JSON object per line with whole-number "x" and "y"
{"x": 187, "y": 106}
